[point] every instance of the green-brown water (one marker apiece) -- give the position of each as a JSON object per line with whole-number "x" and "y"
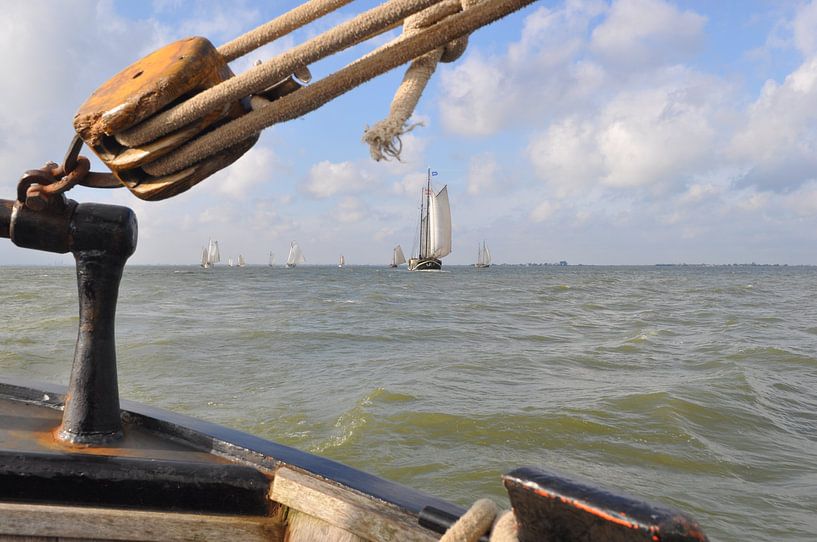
{"x": 694, "y": 387}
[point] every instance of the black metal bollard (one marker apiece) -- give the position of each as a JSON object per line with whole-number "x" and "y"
{"x": 102, "y": 238}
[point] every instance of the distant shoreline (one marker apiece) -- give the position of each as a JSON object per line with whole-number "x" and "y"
{"x": 448, "y": 266}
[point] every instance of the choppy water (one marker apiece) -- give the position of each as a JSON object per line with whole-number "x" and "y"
{"x": 688, "y": 386}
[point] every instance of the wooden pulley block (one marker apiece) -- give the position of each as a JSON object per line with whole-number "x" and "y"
{"x": 151, "y": 85}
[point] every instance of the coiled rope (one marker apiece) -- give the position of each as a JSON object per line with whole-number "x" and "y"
{"x": 438, "y": 30}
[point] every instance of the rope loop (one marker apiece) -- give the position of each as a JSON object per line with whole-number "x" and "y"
{"x": 384, "y": 137}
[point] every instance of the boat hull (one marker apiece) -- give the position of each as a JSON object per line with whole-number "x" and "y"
{"x": 178, "y": 478}
{"x": 424, "y": 264}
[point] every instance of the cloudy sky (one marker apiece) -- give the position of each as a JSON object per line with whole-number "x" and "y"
{"x": 594, "y": 131}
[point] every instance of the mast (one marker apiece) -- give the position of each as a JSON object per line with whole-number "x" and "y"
{"x": 428, "y": 209}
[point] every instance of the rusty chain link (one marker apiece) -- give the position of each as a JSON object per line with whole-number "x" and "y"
{"x": 39, "y": 187}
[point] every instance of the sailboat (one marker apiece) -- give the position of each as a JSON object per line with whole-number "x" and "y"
{"x": 435, "y": 229}
{"x": 271, "y": 259}
{"x": 397, "y": 256}
{"x": 210, "y": 255}
{"x": 483, "y": 256}
{"x": 241, "y": 262}
{"x": 229, "y": 262}
{"x": 341, "y": 261}
{"x": 295, "y": 255}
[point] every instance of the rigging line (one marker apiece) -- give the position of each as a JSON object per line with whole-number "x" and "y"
{"x": 280, "y": 26}
{"x": 319, "y": 93}
{"x": 276, "y": 69}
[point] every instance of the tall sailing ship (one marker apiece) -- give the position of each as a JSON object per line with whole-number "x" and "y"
{"x": 397, "y": 256}
{"x": 296, "y": 256}
{"x": 210, "y": 255}
{"x": 435, "y": 229}
{"x": 483, "y": 256}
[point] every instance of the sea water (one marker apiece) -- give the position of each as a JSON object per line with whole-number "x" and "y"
{"x": 693, "y": 387}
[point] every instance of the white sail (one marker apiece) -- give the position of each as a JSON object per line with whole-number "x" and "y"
{"x": 341, "y": 261}
{"x": 398, "y": 257}
{"x": 241, "y": 262}
{"x": 483, "y": 256}
{"x": 295, "y": 255}
{"x": 439, "y": 224}
{"x": 213, "y": 255}
{"x": 271, "y": 259}
{"x": 203, "y": 257}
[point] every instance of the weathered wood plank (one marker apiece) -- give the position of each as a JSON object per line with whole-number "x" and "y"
{"x": 63, "y": 522}
{"x": 364, "y": 516}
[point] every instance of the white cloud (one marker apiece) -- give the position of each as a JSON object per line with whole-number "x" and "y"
{"x": 327, "y": 179}
{"x": 411, "y": 183}
{"x": 778, "y": 140}
{"x": 566, "y": 155}
{"x": 483, "y": 174}
{"x": 543, "y": 211}
{"x": 653, "y": 137}
{"x": 247, "y": 173}
{"x": 805, "y": 28}
{"x": 643, "y": 33}
{"x": 349, "y": 210}
{"x": 752, "y": 201}
{"x": 803, "y": 201}
{"x": 539, "y": 74}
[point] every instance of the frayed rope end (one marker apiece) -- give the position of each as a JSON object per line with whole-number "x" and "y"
{"x": 384, "y": 139}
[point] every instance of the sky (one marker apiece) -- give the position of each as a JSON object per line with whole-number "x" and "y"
{"x": 592, "y": 131}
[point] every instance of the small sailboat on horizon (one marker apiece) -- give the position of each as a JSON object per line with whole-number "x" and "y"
{"x": 397, "y": 256}
{"x": 210, "y": 255}
{"x": 241, "y": 262}
{"x": 435, "y": 229}
{"x": 296, "y": 256}
{"x": 341, "y": 262}
{"x": 483, "y": 256}
{"x": 271, "y": 259}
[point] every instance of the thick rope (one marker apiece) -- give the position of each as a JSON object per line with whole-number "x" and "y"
{"x": 473, "y": 524}
{"x": 280, "y": 26}
{"x": 315, "y": 95}
{"x": 384, "y": 137}
{"x": 260, "y": 77}
{"x": 505, "y": 528}
{"x": 481, "y": 517}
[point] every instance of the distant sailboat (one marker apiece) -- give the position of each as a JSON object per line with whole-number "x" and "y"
{"x": 341, "y": 261}
{"x": 483, "y": 256}
{"x": 295, "y": 255}
{"x": 229, "y": 262}
{"x": 397, "y": 256}
{"x": 210, "y": 255}
{"x": 435, "y": 229}
{"x": 271, "y": 259}
{"x": 241, "y": 262}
